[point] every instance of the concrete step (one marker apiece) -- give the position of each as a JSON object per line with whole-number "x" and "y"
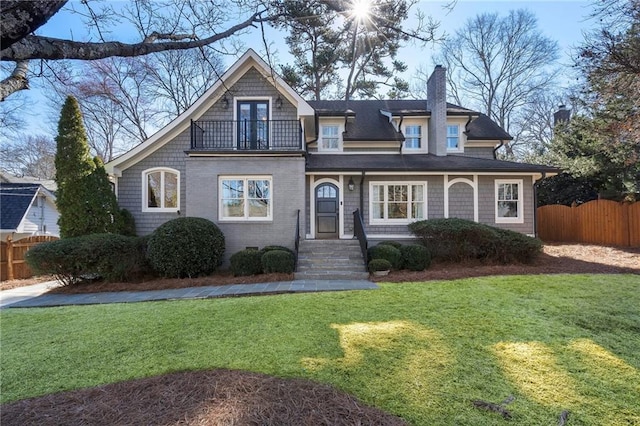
{"x": 330, "y": 259}
{"x": 327, "y": 275}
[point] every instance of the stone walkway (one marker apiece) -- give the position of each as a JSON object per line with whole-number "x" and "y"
{"x": 34, "y": 296}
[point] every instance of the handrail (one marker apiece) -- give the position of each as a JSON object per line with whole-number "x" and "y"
{"x": 360, "y": 234}
{"x": 297, "y": 242}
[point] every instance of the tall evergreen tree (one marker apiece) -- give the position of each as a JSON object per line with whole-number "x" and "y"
{"x": 84, "y": 198}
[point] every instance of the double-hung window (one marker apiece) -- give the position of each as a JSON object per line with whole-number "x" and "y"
{"x": 397, "y": 202}
{"x": 413, "y": 137}
{"x": 246, "y": 198}
{"x": 329, "y": 138}
{"x": 509, "y": 201}
{"x": 160, "y": 190}
{"x": 453, "y": 137}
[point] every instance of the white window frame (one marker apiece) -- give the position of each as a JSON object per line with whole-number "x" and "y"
{"x": 420, "y": 137}
{"x": 460, "y": 147}
{"x": 520, "y": 201}
{"x": 386, "y": 220}
{"x": 246, "y": 217}
{"x": 321, "y": 147}
{"x": 145, "y": 190}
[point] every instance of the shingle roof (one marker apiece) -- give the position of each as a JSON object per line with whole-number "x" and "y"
{"x": 371, "y": 125}
{"x": 418, "y": 163}
{"x": 15, "y": 199}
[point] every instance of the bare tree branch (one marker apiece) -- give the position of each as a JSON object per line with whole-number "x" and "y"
{"x": 20, "y": 18}
{"x": 16, "y": 81}
{"x": 37, "y": 47}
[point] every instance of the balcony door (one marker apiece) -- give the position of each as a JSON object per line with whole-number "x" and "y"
{"x": 253, "y": 125}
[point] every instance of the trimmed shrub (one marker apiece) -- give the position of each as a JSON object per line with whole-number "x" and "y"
{"x": 458, "y": 239}
{"x": 111, "y": 257}
{"x": 415, "y": 257}
{"x": 392, "y": 244}
{"x": 387, "y": 252}
{"x": 379, "y": 265}
{"x": 186, "y": 247}
{"x": 246, "y": 262}
{"x": 278, "y": 261}
{"x": 265, "y": 249}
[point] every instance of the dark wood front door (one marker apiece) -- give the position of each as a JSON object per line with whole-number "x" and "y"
{"x": 327, "y": 211}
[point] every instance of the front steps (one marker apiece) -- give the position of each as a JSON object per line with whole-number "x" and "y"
{"x": 330, "y": 260}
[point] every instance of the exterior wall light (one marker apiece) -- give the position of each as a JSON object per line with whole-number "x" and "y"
{"x": 351, "y": 185}
{"x": 278, "y": 102}
{"x": 225, "y": 102}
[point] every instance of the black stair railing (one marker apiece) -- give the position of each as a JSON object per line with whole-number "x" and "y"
{"x": 297, "y": 242}
{"x": 360, "y": 233}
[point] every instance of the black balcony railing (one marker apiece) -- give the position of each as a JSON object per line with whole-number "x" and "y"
{"x": 257, "y": 135}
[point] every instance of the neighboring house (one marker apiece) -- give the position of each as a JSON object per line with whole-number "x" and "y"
{"x": 251, "y": 155}
{"x": 49, "y": 184}
{"x": 27, "y": 210}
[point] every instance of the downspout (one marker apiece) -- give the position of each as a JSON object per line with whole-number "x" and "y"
{"x": 495, "y": 157}
{"x": 362, "y": 194}
{"x": 400, "y": 129}
{"x": 535, "y": 205}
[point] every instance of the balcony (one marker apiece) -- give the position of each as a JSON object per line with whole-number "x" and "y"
{"x": 246, "y": 135}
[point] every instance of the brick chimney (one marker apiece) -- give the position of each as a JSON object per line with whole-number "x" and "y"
{"x": 562, "y": 115}
{"x": 437, "y": 104}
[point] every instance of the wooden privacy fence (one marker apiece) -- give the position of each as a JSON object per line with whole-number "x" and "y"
{"x": 12, "y": 264}
{"x": 602, "y": 222}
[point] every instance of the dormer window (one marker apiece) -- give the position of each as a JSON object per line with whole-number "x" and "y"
{"x": 329, "y": 138}
{"x": 453, "y": 137}
{"x": 413, "y": 137}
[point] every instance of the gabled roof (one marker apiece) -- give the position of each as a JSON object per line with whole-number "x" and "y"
{"x": 204, "y": 103}
{"x": 50, "y": 184}
{"x": 15, "y": 200}
{"x": 371, "y": 121}
{"x": 418, "y": 163}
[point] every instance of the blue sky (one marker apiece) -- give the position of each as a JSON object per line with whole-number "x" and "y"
{"x": 563, "y": 21}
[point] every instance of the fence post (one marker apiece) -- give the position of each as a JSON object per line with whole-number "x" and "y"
{"x": 9, "y": 258}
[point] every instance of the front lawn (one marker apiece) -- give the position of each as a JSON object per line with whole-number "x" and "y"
{"x": 423, "y": 351}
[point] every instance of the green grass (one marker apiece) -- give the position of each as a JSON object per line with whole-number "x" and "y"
{"x": 423, "y": 351}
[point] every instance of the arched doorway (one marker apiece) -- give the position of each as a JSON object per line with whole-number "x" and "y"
{"x": 327, "y": 211}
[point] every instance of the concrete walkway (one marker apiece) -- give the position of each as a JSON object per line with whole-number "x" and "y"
{"x": 33, "y": 297}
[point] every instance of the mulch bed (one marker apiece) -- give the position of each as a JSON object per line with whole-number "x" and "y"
{"x": 219, "y": 397}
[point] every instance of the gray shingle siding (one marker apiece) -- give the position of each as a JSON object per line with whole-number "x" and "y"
{"x": 487, "y": 203}
{"x": 461, "y": 201}
{"x": 478, "y": 152}
{"x": 130, "y": 183}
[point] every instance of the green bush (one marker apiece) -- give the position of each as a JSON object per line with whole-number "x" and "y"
{"x": 265, "y": 249}
{"x": 379, "y": 265}
{"x": 111, "y": 257}
{"x": 415, "y": 257}
{"x": 388, "y": 252}
{"x": 186, "y": 247}
{"x": 246, "y": 262}
{"x": 392, "y": 244}
{"x": 459, "y": 239}
{"x": 278, "y": 261}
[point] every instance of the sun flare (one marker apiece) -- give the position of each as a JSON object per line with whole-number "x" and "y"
{"x": 360, "y": 9}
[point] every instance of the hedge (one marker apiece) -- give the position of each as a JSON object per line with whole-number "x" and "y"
{"x": 387, "y": 252}
{"x": 415, "y": 257}
{"x": 246, "y": 262}
{"x": 278, "y": 261}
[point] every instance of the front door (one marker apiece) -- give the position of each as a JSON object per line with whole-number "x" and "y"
{"x": 327, "y": 211}
{"x": 253, "y": 125}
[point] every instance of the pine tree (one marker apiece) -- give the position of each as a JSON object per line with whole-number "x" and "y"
{"x": 85, "y": 200}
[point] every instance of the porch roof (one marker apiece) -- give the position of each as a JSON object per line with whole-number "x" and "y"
{"x": 418, "y": 163}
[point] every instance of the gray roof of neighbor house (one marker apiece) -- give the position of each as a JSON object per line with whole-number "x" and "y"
{"x": 371, "y": 125}
{"x": 417, "y": 163}
{"x": 15, "y": 199}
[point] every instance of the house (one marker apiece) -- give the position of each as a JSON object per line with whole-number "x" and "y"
{"x": 258, "y": 160}
{"x": 27, "y": 210}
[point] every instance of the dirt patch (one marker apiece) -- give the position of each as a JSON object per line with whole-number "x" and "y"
{"x": 220, "y": 397}
{"x": 9, "y": 284}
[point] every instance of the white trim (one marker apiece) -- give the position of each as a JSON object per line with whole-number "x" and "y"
{"x": 472, "y": 183}
{"x": 313, "y": 184}
{"x": 520, "y": 201}
{"x": 145, "y": 189}
{"x": 203, "y": 104}
{"x": 387, "y": 221}
{"x": 246, "y": 217}
{"x": 424, "y": 135}
{"x": 440, "y": 173}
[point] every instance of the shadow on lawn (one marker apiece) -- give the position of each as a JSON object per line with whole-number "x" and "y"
{"x": 220, "y": 397}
